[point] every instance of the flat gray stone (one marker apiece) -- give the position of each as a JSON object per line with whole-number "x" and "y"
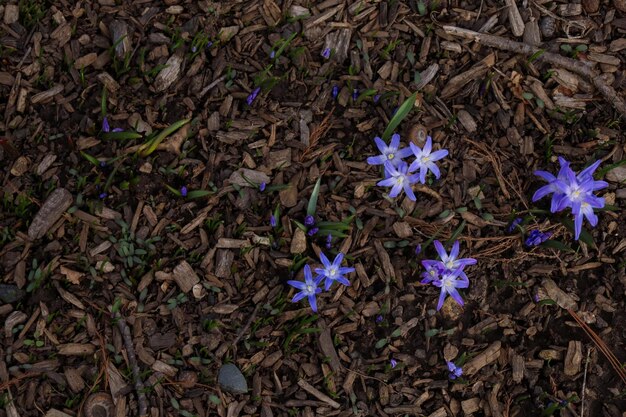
{"x": 232, "y": 380}
{"x": 10, "y": 293}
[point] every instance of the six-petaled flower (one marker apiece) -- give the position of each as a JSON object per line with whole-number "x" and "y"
{"x": 332, "y": 272}
{"x": 389, "y": 153}
{"x": 573, "y": 191}
{"x": 449, "y": 281}
{"x": 425, "y": 159}
{"x": 399, "y": 179}
{"x": 308, "y": 288}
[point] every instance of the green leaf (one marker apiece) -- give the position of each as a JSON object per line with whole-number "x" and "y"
{"x": 125, "y": 135}
{"x": 584, "y": 234}
{"x": 90, "y": 158}
{"x": 198, "y": 194}
{"x": 381, "y": 343}
{"x": 149, "y": 147}
{"x": 310, "y": 210}
{"x": 431, "y": 333}
{"x": 333, "y": 233}
{"x": 300, "y": 225}
{"x": 536, "y": 55}
{"x": 403, "y": 111}
{"x": 285, "y": 43}
{"x": 215, "y": 399}
{"x": 457, "y": 232}
{"x": 528, "y": 96}
{"x": 396, "y": 332}
{"x": 555, "y": 244}
{"x": 173, "y": 190}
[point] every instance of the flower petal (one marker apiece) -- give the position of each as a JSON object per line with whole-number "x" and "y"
{"x": 299, "y": 296}
{"x": 380, "y": 144}
{"x": 428, "y": 146}
{"x": 324, "y": 260}
{"x": 442, "y": 298}
{"x": 404, "y": 152}
{"x": 297, "y": 284}
{"x": 376, "y": 160}
{"x": 437, "y": 155}
{"x": 441, "y": 250}
{"x": 313, "y": 302}
{"x": 395, "y": 142}
{"x": 338, "y": 259}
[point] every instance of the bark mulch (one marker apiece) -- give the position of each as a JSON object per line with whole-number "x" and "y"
{"x": 147, "y": 147}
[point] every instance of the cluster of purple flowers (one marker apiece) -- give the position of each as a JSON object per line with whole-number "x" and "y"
{"x": 106, "y": 128}
{"x": 537, "y": 237}
{"x": 447, "y": 272}
{"x": 573, "y": 191}
{"x": 399, "y": 175}
{"x": 331, "y": 272}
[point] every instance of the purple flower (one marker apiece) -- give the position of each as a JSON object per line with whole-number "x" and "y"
{"x": 379, "y": 319}
{"x": 313, "y": 231}
{"x": 449, "y": 262}
{"x": 432, "y": 272}
{"x": 333, "y": 271}
{"x": 309, "y": 220}
{"x": 455, "y": 371}
{"x": 102, "y": 196}
{"x": 376, "y": 98}
{"x": 418, "y": 249}
{"x": 326, "y": 53}
{"x": 308, "y": 288}
{"x": 183, "y": 191}
{"x": 399, "y": 179}
{"x": 355, "y": 94}
{"x": 253, "y": 95}
{"x": 536, "y": 238}
{"x": 425, "y": 160}
{"x": 262, "y": 186}
{"x": 514, "y": 225}
{"x": 194, "y": 49}
{"x": 389, "y": 152}
{"x": 393, "y": 363}
{"x": 449, "y": 281}
{"x": 273, "y": 220}
{"x": 329, "y": 241}
{"x": 272, "y": 54}
{"x": 573, "y": 191}
{"x": 209, "y": 45}
{"x": 335, "y": 92}
{"x": 105, "y": 125}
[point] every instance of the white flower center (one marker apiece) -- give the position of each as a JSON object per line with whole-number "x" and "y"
{"x": 449, "y": 264}
{"x": 310, "y": 289}
{"x": 425, "y": 159}
{"x": 390, "y": 156}
{"x": 332, "y": 272}
{"x": 400, "y": 179}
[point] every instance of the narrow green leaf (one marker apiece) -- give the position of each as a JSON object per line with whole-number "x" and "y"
{"x": 149, "y": 147}
{"x": 125, "y": 135}
{"x": 90, "y": 158}
{"x": 381, "y": 343}
{"x": 457, "y": 232}
{"x": 333, "y": 233}
{"x": 103, "y": 102}
{"x": 584, "y": 234}
{"x": 173, "y": 190}
{"x": 536, "y": 55}
{"x": 300, "y": 225}
{"x": 310, "y": 210}
{"x": 431, "y": 333}
{"x": 396, "y": 333}
{"x": 198, "y": 194}
{"x": 555, "y": 244}
{"x": 402, "y": 112}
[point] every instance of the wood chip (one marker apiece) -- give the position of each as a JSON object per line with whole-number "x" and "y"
{"x": 169, "y": 74}
{"x": 185, "y": 276}
{"x": 483, "y": 359}
{"x": 245, "y": 177}
{"x": 562, "y": 299}
{"x": 76, "y": 349}
{"x": 515, "y": 18}
{"x": 475, "y": 72}
{"x": 327, "y": 347}
{"x": 318, "y": 394}
{"x": 51, "y": 211}
{"x": 298, "y": 241}
{"x": 46, "y": 96}
{"x": 573, "y": 358}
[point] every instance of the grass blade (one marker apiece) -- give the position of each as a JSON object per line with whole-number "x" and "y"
{"x": 126, "y": 135}
{"x": 149, "y": 147}
{"x": 403, "y": 111}
{"x": 310, "y": 210}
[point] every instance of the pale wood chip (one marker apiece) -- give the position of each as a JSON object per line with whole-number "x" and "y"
{"x": 573, "y": 358}
{"x": 318, "y": 394}
{"x": 228, "y": 243}
{"x": 385, "y": 262}
{"x": 483, "y": 359}
{"x": 76, "y": 349}
{"x": 69, "y": 297}
{"x": 52, "y": 209}
{"x": 47, "y": 95}
{"x": 561, "y": 298}
{"x": 185, "y": 276}
{"x": 164, "y": 368}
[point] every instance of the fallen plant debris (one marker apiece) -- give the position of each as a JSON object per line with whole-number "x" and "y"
{"x": 177, "y": 176}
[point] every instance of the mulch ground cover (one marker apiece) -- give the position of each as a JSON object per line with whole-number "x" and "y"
{"x": 170, "y": 167}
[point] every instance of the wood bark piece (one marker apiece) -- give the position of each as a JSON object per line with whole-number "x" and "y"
{"x": 477, "y": 71}
{"x": 561, "y": 298}
{"x": 328, "y": 348}
{"x": 318, "y": 394}
{"x": 578, "y": 67}
{"x": 515, "y": 19}
{"x": 483, "y": 359}
{"x": 185, "y": 276}
{"x": 573, "y": 358}
{"x": 51, "y": 211}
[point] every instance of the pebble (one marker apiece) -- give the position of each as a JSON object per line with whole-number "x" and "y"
{"x": 10, "y": 293}
{"x": 232, "y": 380}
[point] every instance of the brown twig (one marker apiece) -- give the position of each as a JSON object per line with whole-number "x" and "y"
{"x": 615, "y": 363}
{"x": 317, "y": 133}
{"x": 132, "y": 361}
{"x": 573, "y": 65}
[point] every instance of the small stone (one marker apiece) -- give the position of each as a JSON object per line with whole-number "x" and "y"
{"x": 227, "y": 33}
{"x": 451, "y": 310}
{"x": 20, "y": 166}
{"x": 298, "y": 242}
{"x": 11, "y": 14}
{"x": 232, "y": 380}
{"x": 617, "y": 174}
{"x": 10, "y": 293}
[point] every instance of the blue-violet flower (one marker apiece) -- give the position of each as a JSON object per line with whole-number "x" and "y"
{"x": 390, "y": 152}
{"x": 455, "y": 371}
{"x": 399, "y": 179}
{"x": 183, "y": 191}
{"x": 253, "y": 95}
{"x": 308, "y": 288}
{"x": 514, "y": 224}
{"x": 449, "y": 281}
{"x": 536, "y": 237}
{"x": 425, "y": 160}
{"x": 333, "y": 271}
{"x": 326, "y": 53}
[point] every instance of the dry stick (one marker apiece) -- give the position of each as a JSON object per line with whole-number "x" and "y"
{"x": 582, "y": 401}
{"x": 578, "y": 67}
{"x": 608, "y": 354}
{"x": 132, "y": 360}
